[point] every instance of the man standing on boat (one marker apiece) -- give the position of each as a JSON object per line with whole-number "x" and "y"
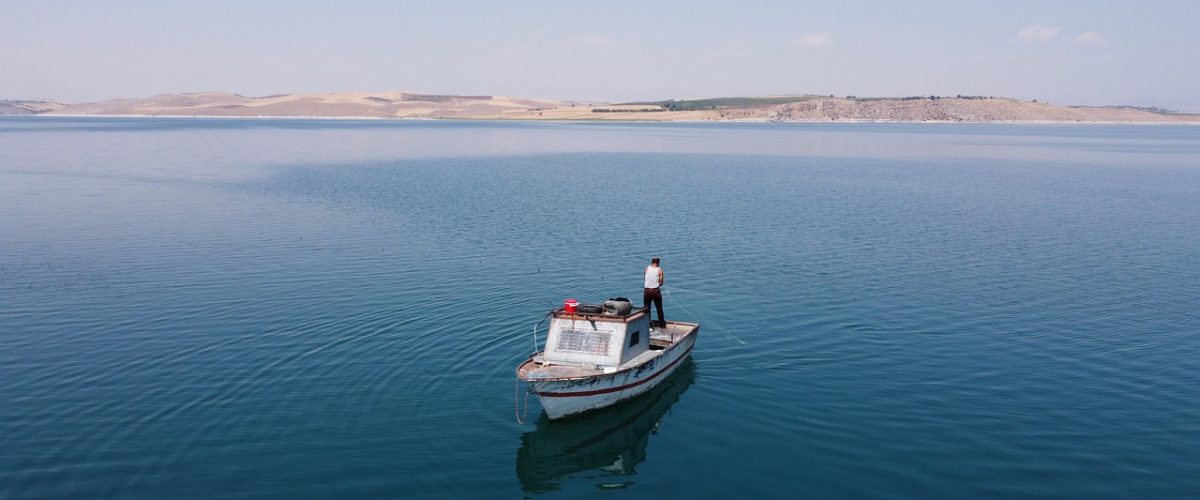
{"x": 653, "y": 290}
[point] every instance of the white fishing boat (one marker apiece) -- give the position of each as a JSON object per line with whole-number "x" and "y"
{"x": 598, "y": 356}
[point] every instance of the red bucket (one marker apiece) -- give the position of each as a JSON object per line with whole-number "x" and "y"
{"x": 569, "y": 306}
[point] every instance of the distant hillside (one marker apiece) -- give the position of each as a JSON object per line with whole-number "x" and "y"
{"x": 769, "y": 108}
{"x": 909, "y": 109}
{"x": 961, "y": 109}
{"x": 332, "y": 105}
{"x": 29, "y": 107}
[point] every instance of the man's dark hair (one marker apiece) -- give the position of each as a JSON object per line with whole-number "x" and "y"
{"x": 654, "y": 260}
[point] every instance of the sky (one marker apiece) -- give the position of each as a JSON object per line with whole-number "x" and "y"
{"x": 1065, "y": 52}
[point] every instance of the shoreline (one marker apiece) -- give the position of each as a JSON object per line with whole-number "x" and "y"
{"x": 613, "y": 120}
{"x": 798, "y": 108}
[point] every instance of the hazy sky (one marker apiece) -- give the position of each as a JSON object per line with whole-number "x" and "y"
{"x": 1066, "y": 52}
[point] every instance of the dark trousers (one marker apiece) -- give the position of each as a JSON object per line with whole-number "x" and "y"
{"x": 654, "y": 295}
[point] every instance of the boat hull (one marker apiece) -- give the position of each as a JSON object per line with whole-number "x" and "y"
{"x": 571, "y": 396}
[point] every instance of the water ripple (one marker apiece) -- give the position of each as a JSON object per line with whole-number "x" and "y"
{"x": 273, "y": 309}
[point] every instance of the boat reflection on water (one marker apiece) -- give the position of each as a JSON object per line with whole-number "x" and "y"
{"x": 605, "y": 445}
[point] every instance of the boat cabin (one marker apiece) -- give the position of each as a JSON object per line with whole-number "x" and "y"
{"x": 597, "y": 340}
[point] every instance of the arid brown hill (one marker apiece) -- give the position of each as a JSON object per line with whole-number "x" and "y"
{"x": 771, "y": 108}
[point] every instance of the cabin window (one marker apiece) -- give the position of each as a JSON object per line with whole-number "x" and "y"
{"x": 585, "y": 341}
{"x": 635, "y": 338}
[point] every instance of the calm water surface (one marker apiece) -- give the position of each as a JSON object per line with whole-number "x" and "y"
{"x": 257, "y": 308}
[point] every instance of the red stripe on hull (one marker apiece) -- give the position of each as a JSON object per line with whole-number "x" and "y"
{"x": 615, "y": 389}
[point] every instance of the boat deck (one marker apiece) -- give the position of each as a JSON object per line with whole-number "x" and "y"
{"x": 660, "y": 338}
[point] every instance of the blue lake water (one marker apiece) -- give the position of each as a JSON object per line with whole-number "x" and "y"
{"x": 289, "y": 308}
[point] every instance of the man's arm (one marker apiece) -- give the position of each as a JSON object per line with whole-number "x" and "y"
{"x": 661, "y": 276}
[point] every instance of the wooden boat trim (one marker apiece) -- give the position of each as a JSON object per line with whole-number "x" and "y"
{"x": 560, "y": 313}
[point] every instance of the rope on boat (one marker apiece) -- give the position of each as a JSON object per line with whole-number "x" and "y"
{"x": 516, "y": 405}
{"x": 535, "y": 329}
{"x": 728, "y": 335}
{"x": 517, "y": 381}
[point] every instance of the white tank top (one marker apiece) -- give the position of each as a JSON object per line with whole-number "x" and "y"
{"x": 651, "y": 277}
